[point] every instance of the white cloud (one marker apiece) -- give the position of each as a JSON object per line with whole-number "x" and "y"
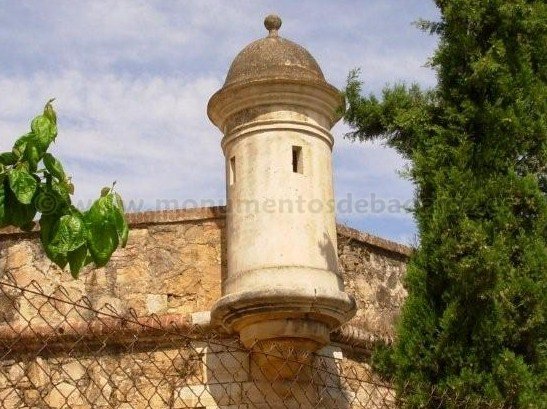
{"x": 132, "y": 80}
{"x": 152, "y": 136}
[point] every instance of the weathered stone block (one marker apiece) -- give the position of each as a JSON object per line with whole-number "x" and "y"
{"x": 10, "y": 398}
{"x": 207, "y": 395}
{"x": 38, "y": 373}
{"x": 63, "y": 395}
{"x": 74, "y": 370}
{"x": 223, "y": 367}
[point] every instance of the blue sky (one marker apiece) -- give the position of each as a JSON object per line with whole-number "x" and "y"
{"x": 132, "y": 80}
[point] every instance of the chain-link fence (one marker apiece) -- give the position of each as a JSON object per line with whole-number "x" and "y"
{"x": 58, "y": 352}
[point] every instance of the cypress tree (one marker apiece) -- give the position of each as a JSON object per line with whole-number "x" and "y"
{"x": 473, "y": 325}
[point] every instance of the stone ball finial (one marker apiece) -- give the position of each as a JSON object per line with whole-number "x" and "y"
{"x": 272, "y": 23}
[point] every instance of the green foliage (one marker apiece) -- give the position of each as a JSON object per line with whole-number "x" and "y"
{"x": 68, "y": 235}
{"x": 474, "y": 322}
{"x": 22, "y": 184}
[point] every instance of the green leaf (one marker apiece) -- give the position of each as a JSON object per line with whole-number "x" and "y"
{"x": 49, "y": 112}
{"x": 51, "y": 199}
{"x": 69, "y": 233}
{"x": 21, "y": 144}
{"x": 77, "y": 260}
{"x": 63, "y": 188}
{"x": 123, "y": 231}
{"x": 20, "y": 215}
{"x": 103, "y": 236}
{"x": 117, "y": 215}
{"x": 33, "y": 153}
{"x": 22, "y": 184}
{"x": 17, "y": 213}
{"x": 3, "y": 221}
{"x": 119, "y": 202}
{"x": 44, "y": 131}
{"x": 60, "y": 191}
{"x": 47, "y": 224}
{"x": 54, "y": 166}
{"x": 103, "y": 241}
{"x": 8, "y": 158}
{"x": 109, "y": 209}
{"x": 99, "y": 210}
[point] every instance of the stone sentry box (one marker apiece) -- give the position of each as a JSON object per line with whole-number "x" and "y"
{"x": 282, "y": 290}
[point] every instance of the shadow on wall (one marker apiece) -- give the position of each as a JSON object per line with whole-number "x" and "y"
{"x": 223, "y": 257}
{"x": 329, "y": 253}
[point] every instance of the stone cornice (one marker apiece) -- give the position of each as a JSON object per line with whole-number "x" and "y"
{"x": 150, "y": 218}
{"x": 311, "y": 95}
{"x": 374, "y": 241}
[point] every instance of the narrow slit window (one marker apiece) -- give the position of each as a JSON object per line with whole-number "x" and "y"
{"x": 297, "y": 160}
{"x": 232, "y": 170}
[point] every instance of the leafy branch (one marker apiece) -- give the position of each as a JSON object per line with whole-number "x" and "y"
{"x": 33, "y": 182}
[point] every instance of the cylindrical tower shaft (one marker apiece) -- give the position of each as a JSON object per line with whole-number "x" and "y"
{"x": 282, "y": 284}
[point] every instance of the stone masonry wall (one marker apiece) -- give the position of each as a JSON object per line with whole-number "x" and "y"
{"x": 373, "y": 271}
{"x": 166, "y": 268}
{"x": 198, "y": 375}
{"x": 172, "y": 265}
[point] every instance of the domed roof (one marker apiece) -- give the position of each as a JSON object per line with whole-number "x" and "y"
{"x": 273, "y": 57}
